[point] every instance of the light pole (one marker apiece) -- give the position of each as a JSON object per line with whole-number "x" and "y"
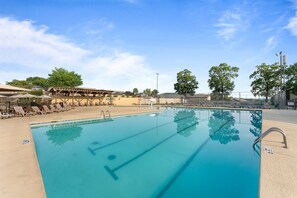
{"x": 282, "y": 90}
{"x": 157, "y": 88}
{"x": 157, "y": 81}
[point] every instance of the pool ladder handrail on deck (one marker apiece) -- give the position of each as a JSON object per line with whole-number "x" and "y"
{"x": 275, "y": 129}
{"x": 107, "y": 113}
{"x": 103, "y": 114}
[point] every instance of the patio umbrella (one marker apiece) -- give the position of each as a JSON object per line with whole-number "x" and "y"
{"x": 27, "y": 98}
{"x": 44, "y": 97}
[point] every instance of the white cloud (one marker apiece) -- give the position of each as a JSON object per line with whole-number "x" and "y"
{"x": 231, "y": 22}
{"x": 122, "y": 70}
{"x": 37, "y": 52}
{"x": 292, "y": 25}
{"x": 271, "y": 42}
{"x": 23, "y": 43}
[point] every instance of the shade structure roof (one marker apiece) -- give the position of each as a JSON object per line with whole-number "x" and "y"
{"x": 78, "y": 90}
{"x": 1, "y": 96}
{"x": 23, "y": 96}
{"x": 4, "y": 88}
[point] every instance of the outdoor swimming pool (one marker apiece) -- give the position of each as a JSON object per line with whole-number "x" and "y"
{"x": 178, "y": 152}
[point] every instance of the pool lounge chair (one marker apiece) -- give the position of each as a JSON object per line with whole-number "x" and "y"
{"x": 20, "y": 111}
{"x": 67, "y": 107}
{"x": 54, "y": 109}
{"x": 36, "y": 110}
{"x": 46, "y": 109}
{"x": 58, "y": 106}
{"x": 6, "y": 115}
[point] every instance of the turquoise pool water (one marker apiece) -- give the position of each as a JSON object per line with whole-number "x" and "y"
{"x": 176, "y": 153}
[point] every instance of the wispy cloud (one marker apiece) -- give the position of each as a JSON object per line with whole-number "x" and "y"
{"x": 231, "y": 22}
{"x": 292, "y": 25}
{"x": 97, "y": 27}
{"x": 30, "y": 47}
{"x": 271, "y": 42}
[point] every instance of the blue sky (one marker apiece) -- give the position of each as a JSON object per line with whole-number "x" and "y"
{"x": 121, "y": 44}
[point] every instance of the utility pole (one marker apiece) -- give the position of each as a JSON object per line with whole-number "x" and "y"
{"x": 157, "y": 87}
{"x": 157, "y": 81}
{"x": 282, "y": 91}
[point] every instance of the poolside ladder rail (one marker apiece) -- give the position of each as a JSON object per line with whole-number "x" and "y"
{"x": 272, "y": 129}
{"x": 103, "y": 114}
{"x": 107, "y": 113}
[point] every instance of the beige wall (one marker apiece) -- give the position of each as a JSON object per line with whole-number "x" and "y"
{"x": 170, "y": 100}
{"x": 123, "y": 101}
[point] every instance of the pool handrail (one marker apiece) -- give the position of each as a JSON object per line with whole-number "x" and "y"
{"x": 275, "y": 129}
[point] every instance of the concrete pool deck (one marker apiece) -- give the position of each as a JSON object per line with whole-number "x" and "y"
{"x": 20, "y": 175}
{"x": 279, "y": 170}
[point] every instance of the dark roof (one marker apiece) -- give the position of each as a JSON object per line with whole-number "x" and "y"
{"x": 170, "y": 95}
{"x": 199, "y": 96}
{"x": 55, "y": 90}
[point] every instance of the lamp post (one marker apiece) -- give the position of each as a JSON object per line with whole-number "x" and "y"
{"x": 157, "y": 88}
{"x": 157, "y": 81}
{"x": 282, "y": 90}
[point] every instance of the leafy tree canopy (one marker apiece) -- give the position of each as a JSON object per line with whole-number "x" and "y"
{"x": 221, "y": 79}
{"x": 147, "y": 91}
{"x": 265, "y": 79}
{"x": 291, "y": 74}
{"x": 129, "y": 93}
{"x": 186, "y": 83}
{"x": 38, "y": 81}
{"x": 135, "y": 91}
{"x": 20, "y": 83}
{"x": 155, "y": 93}
{"x": 60, "y": 77}
{"x": 36, "y": 92}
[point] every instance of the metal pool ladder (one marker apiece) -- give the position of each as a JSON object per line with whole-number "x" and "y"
{"x": 276, "y": 129}
{"x": 107, "y": 113}
{"x": 104, "y": 114}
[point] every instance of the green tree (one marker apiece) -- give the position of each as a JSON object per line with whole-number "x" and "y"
{"x": 20, "y": 83}
{"x": 147, "y": 91}
{"x": 186, "y": 83}
{"x": 36, "y": 92}
{"x": 291, "y": 74}
{"x": 60, "y": 77}
{"x": 265, "y": 79}
{"x": 221, "y": 79}
{"x": 38, "y": 81}
{"x": 135, "y": 91}
{"x": 128, "y": 93}
{"x": 154, "y": 93}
